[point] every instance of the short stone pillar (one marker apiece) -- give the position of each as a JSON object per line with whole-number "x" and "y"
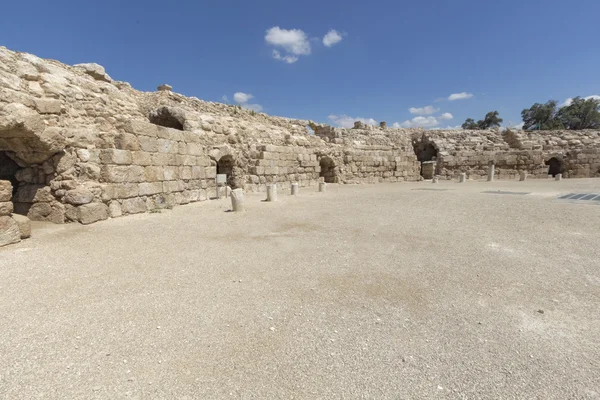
{"x": 383, "y": 125}
{"x": 164, "y": 88}
{"x": 237, "y": 200}
{"x": 462, "y": 178}
{"x": 522, "y": 176}
{"x": 322, "y": 187}
{"x": 558, "y": 177}
{"x": 295, "y": 189}
{"x": 272, "y": 192}
{"x": 491, "y": 172}
{"x": 435, "y": 179}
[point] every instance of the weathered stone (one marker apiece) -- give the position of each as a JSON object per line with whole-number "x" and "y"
{"x": 48, "y": 106}
{"x": 9, "y": 231}
{"x": 5, "y": 191}
{"x": 164, "y": 88}
{"x": 24, "y": 225}
{"x": 96, "y": 71}
{"x": 93, "y": 212}
{"x": 237, "y": 200}
{"x": 114, "y": 209}
{"x": 6, "y": 208}
{"x": 78, "y": 197}
{"x": 133, "y": 206}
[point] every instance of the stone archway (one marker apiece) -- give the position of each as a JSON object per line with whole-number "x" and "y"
{"x": 555, "y": 166}
{"x": 226, "y": 165}
{"x": 426, "y": 154}
{"x": 8, "y": 170}
{"x": 328, "y": 170}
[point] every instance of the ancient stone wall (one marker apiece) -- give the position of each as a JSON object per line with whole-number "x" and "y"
{"x": 13, "y": 227}
{"x": 80, "y": 146}
{"x": 575, "y": 154}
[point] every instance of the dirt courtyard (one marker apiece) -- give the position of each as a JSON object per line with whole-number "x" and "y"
{"x": 389, "y": 291}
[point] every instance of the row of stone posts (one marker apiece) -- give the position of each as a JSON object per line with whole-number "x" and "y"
{"x": 462, "y": 177}
{"x": 237, "y": 195}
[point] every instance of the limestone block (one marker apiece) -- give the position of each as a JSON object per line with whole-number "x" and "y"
{"x": 133, "y": 206}
{"x": 5, "y": 191}
{"x": 78, "y": 197}
{"x": 119, "y": 191}
{"x": 96, "y": 71}
{"x": 48, "y": 106}
{"x": 6, "y": 208}
{"x": 9, "y": 231}
{"x": 93, "y": 212}
{"x": 24, "y": 225}
{"x": 126, "y": 141}
{"x": 149, "y": 144}
{"x": 149, "y": 189}
{"x": 322, "y": 187}
{"x": 123, "y": 174}
{"x": 154, "y": 174}
{"x": 140, "y": 127}
{"x": 198, "y": 172}
{"x": 295, "y": 189}
{"x": 115, "y": 156}
{"x": 141, "y": 158}
{"x": 114, "y": 209}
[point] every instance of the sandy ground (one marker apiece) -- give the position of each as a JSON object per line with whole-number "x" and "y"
{"x": 374, "y": 291}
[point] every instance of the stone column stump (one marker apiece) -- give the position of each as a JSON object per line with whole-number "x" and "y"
{"x": 237, "y": 200}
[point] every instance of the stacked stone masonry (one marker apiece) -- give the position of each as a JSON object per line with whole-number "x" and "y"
{"x": 13, "y": 227}
{"x": 79, "y": 146}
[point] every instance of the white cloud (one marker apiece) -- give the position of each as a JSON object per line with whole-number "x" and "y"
{"x": 427, "y": 110}
{"x": 446, "y": 116}
{"x": 570, "y": 99}
{"x": 287, "y": 59}
{"x": 243, "y": 100}
{"x": 225, "y": 98}
{"x": 345, "y": 121}
{"x": 420, "y": 122}
{"x": 460, "y": 96}
{"x": 332, "y": 37}
{"x": 293, "y": 41}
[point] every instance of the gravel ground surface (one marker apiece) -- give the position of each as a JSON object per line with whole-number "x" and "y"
{"x": 374, "y": 291}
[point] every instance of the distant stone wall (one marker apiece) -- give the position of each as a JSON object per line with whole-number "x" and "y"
{"x": 577, "y": 154}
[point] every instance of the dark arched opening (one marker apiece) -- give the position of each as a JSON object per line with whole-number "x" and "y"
{"x": 163, "y": 117}
{"x": 426, "y": 154}
{"x": 8, "y": 170}
{"x": 327, "y": 170}
{"x": 555, "y": 166}
{"x": 226, "y": 165}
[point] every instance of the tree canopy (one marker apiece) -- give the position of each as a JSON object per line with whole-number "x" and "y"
{"x": 541, "y": 116}
{"x": 578, "y": 114}
{"x": 491, "y": 120}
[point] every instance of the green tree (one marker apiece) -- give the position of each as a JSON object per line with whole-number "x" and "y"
{"x": 580, "y": 114}
{"x": 541, "y": 116}
{"x": 491, "y": 120}
{"x": 470, "y": 124}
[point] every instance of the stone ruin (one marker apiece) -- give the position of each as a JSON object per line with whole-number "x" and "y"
{"x": 78, "y": 146}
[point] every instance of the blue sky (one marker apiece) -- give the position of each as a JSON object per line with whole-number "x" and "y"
{"x": 381, "y": 59}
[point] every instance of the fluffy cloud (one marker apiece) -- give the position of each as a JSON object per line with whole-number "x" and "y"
{"x": 243, "y": 100}
{"x": 344, "y": 121}
{"x": 419, "y": 122}
{"x": 446, "y": 116}
{"x": 293, "y": 41}
{"x": 460, "y": 96}
{"x": 570, "y": 99}
{"x": 332, "y": 37}
{"x": 225, "y": 98}
{"x": 286, "y": 59}
{"x": 427, "y": 110}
